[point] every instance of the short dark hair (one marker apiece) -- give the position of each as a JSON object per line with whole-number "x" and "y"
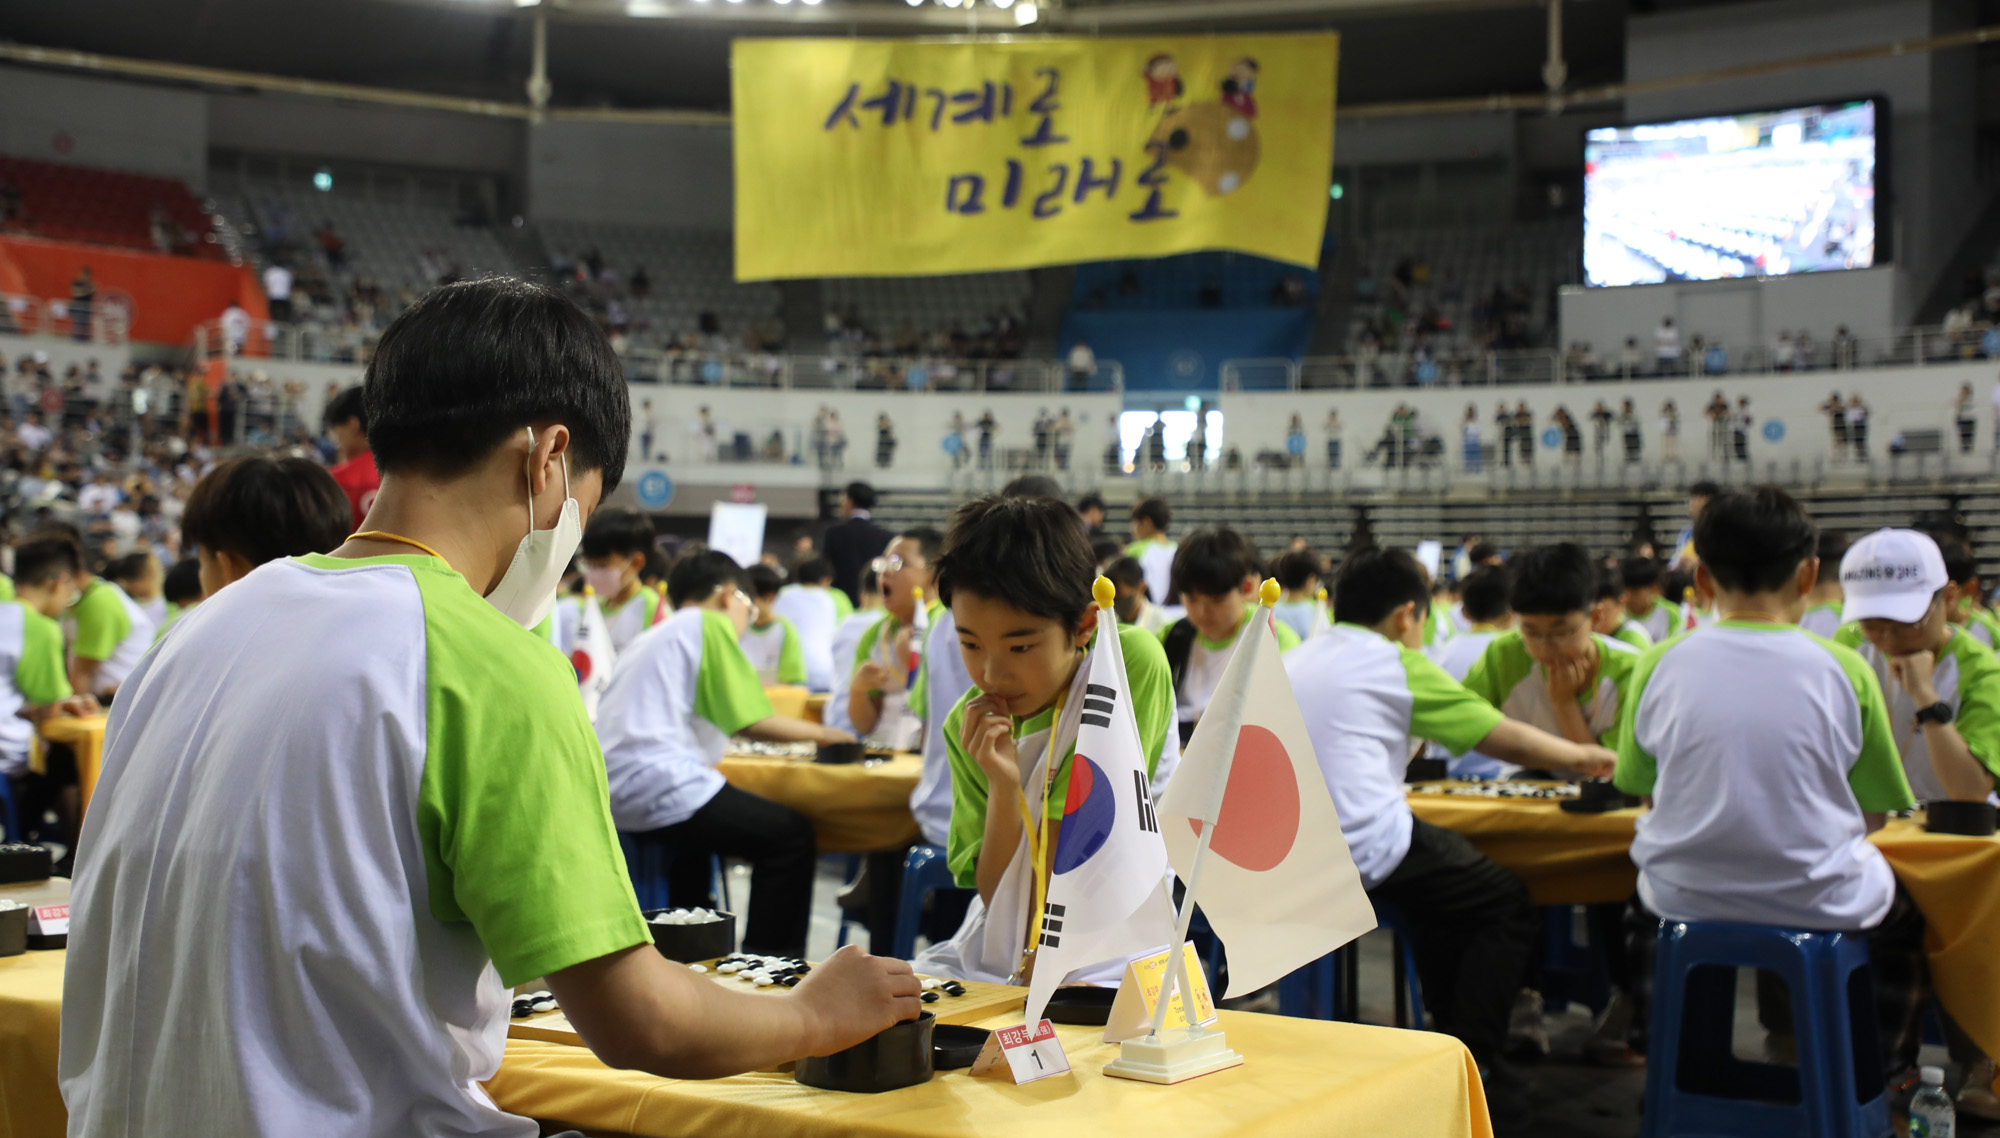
{"x": 1033, "y": 486}
{"x": 1639, "y": 572}
{"x": 1485, "y": 594}
{"x": 1090, "y": 501}
{"x": 1960, "y": 564}
{"x": 262, "y": 508}
{"x": 1832, "y": 549}
{"x": 861, "y": 494}
{"x": 1106, "y": 549}
{"x": 1295, "y": 568}
{"x": 1553, "y": 579}
{"x": 930, "y": 542}
{"x": 1128, "y": 572}
{"x": 1376, "y": 581}
{"x": 1155, "y": 510}
{"x": 1482, "y": 552}
{"x": 1214, "y": 562}
{"x": 41, "y": 560}
{"x": 1705, "y": 488}
{"x": 654, "y": 566}
{"x": 618, "y": 532}
{"x": 1025, "y": 552}
{"x": 346, "y": 407}
{"x": 764, "y": 581}
{"x": 471, "y": 364}
{"x": 182, "y": 582}
{"x": 1610, "y": 586}
{"x": 127, "y": 568}
{"x": 813, "y": 571}
{"x": 1753, "y": 542}
{"x": 697, "y": 576}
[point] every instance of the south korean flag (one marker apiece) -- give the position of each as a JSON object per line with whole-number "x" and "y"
{"x": 1107, "y": 895}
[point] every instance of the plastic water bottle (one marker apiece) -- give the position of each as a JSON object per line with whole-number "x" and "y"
{"x": 1931, "y": 1115}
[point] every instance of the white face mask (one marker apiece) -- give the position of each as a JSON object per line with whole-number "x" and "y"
{"x": 527, "y": 591}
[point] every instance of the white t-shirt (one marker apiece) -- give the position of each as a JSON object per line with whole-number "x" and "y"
{"x": 1820, "y": 620}
{"x": 1157, "y": 559}
{"x": 676, "y": 696}
{"x": 1667, "y": 342}
{"x": 630, "y": 619}
{"x": 278, "y": 282}
{"x": 1155, "y": 618}
{"x": 945, "y": 681}
{"x": 1364, "y": 698}
{"x": 1457, "y": 656}
{"x": 1761, "y": 746}
{"x": 102, "y": 613}
{"x": 846, "y": 643}
{"x": 814, "y": 615}
{"x": 764, "y": 647}
{"x": 318, "y": 855}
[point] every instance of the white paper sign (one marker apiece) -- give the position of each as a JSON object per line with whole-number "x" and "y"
{"x": 1031, "y": 1053}
{"x": 737, "y": 528}
{"x": 1429, "y": 554}
{"x": 49, "y": 920}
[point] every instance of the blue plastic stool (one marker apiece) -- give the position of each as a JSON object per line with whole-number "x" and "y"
{"x": 647, "y": 862}
{"x": 1573, "y": 970}
{"x": 1696, "y": 1086}
{"x": 924, "y": 873}
{"x": 8, "y": 818}
{"x": 1325, "y": 989}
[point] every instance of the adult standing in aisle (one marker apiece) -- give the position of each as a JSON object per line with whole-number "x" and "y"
{"x": 855, "y": 540}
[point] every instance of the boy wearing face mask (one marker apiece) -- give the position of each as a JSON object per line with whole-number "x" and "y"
{"x": 675, "y": 699}
{"x": 379, "y": 863}
{"x": 615, "y": 544}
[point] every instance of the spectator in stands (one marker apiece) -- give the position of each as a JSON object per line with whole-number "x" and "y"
{"x": 346, "y": 424}
{"x": 1295, "y": 442}
{"x": 987, "y": 425}
{"x": 1967, "y": 422}
{"x": 1524, "y": 430}
{"x": 1082, "y": 366}
{"x": 1572, "y": 434}
{"x": 1804, "y": 340}
{"x": 1666, "y": 347}
{"x": 885, "y": 441}
{"x": 1504, "y": 430}
{"x": 331, "y": 246}
{"x": 235, "y": 328}
{"x": 1836, "y": 416}
{"x": 1475, "y": 447}
{"x": 1857, "y": 426}
{"x": 836, "y": 440}
{"x": 278, "y": 290}
{"x": 1715, "y": 361}
{"x": 1332, "y": 430}
{"x": 855, "y": 540}
{"x": 1600, "y": 428}
{"x": 1718, "y": 426}
{"x": 1994, "y": 400}
{"x": 1842, "y": 347}
{"x": 1628, "y": 358}
{"x": 82, "y": 299}
{"x": 1062, "y": 436}
{"x": 1741, "y": 423}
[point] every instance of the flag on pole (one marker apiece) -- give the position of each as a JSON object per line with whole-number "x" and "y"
{"x": 660, "y": 611}
{"x": 1321, "y": 621}
{"x": 920, "y": 627}
{"x": 1278, "y": 884}
{"x": 593, "y": 655}
{"x": 1107, "y": 893}
{"x": 1690, "y": 617}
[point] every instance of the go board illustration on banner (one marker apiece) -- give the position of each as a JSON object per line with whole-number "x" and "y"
{"x": 858, "y": 157}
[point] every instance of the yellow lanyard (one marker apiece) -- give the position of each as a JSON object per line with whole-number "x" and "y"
{"x": 1038, "y": 835}
{"x": 384, "y": 535}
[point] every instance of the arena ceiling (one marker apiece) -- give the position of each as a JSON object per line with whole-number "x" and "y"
{"x": 677, "y": 57}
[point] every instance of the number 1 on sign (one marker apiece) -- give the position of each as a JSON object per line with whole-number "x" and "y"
{"x": 1031, "y": 1053}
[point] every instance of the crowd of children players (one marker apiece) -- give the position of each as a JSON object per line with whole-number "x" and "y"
{"x": 1868, "y": 668}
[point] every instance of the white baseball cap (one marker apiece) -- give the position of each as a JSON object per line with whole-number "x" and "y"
{"x": 1891, "y": 574}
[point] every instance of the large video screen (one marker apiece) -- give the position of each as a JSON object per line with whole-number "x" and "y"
{"x": 1750, "y": 195}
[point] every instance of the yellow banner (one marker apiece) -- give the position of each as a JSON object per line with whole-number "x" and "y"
{"x": 897, "y": 157}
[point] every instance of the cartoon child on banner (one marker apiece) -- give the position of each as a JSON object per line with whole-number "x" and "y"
{"x": 1163, "y": 80}
{"x": 1214, "y": 143}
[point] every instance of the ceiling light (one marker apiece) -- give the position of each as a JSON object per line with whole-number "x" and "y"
{"x": 1025, "y": 13}
{"x": 952, "y": 3}
{"x": 783, "y": 1}
{"x": 646, "y": 8}
{"x": 1003, "y": 3}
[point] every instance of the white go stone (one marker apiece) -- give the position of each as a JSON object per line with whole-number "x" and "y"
{"x": 699, "y": 967}
{"x": 765, "y": 981}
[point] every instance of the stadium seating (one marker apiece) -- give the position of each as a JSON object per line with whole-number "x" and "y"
{"x": 1237, "y": 280}
{"x": 384, "y": 242}
{"x": 1456, "y": 271}
{"x": 690, "y": 272}
{"x": 105, "y": 207}
{"x": 888, "y": 306}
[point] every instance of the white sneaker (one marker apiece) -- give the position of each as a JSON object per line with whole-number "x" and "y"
{"x": 1977, "y": 1099}
{"x": 1606, "y": 1046}
{"x": 1525, "y": 1030}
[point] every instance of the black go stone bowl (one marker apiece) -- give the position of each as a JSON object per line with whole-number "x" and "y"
{"x": 841, "y": 752}
{"x": 1972, "y": 819}
{"x": 691, "y": 944}
{"x": 1082, "y": 1007}
{"x": 896, "y": 1058}
{"x": 14, "y": 931}
{"x": 954, "y": 1045}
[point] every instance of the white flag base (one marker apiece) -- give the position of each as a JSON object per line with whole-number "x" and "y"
{"x": 1173, "y": 1056}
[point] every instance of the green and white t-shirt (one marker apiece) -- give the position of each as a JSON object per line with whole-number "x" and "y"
{"x": 1982, "y": 625}
{"x": 1633, "y": 633}
{"x": 31, "y": 653}
{"x": 1662, "y": 621}
{"x": 1206, "y": 659}
{"x": 900, "y": 725}
{"x": 1967, "y": 677}
{"x": 775, "y": 653}
{"x": 630, "y": 619}
{"x": 1156, "y": 557}
{"x": 1761, "y": 746}
{"x": 675, "y": 698}
{"x": 111, "y": 629}
{"x": 1437, "y": 626}
{"x": 846, "y": 643}
{"x": 1366, "y": 700}
{"x": 1509, "y": 679}
{"x": 814, "y": 616}
{"x": 343, "y": 808}
{"x": 1822, "y": 620}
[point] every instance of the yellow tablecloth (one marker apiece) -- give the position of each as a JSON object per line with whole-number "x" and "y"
{"x": 1576, "y": 859}
{"x": 1301, "y": 1077}
{"x": 797, "y": 702}
{"x": 855, "y": 808}
{"x": 85, "y": 736}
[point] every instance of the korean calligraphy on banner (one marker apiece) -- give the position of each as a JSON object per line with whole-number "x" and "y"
{"x": 898, "y": 157}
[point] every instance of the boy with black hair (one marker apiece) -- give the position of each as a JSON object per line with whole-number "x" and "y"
{"x": 1822, "y": 616}
{"x": 771, "y": 642}
{"x": 1484, "y": 599}
{"x": 256, "y": 509}
{"x": 1769, "y": 756}
{"x": 1607, "y": 613}
{"x": 1017, "y": 574}
{"x": 674, "y": 700}
{"x": 35, "y": 686}
{"x": 182, "y": 589}
{"x": 108, "y": 633}
{"x": 615, "y": 548}
{"x": 1699, "y": 496}
{"x": 1128, "y": 577}
{"x": 1963, "y": 591}
{"x": 885, "y": 696}
{"x": 815, "y": 609}
{"x": 1091, "y": 509}
{"x": 1479, "y": 554}
{"x": 1552, "y": 671}
{"x": 346, "y": 422}
{"x": 1368, "y": 694}
{"x": 1298, "y": 573}
{"x": 139, "y": 573}
{"x": 432, "y": 877}
{"x": 1151, "y": 518}
{"x": 1661, "y": 618}
{"x": 1216, "y": 573}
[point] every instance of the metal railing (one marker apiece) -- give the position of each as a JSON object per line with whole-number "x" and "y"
{"x": 108, "y": 319}
{"x": 268, "y": 339}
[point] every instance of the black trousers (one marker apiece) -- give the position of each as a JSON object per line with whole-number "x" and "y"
{"x": 779, "y": 844}
{"x": 1471, "y": 925}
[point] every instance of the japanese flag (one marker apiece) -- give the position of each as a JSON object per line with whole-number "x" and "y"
{"x": 593, "y": 656}
{"x": 1278, "y": 885}
{"x": 1107, "y": 894}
